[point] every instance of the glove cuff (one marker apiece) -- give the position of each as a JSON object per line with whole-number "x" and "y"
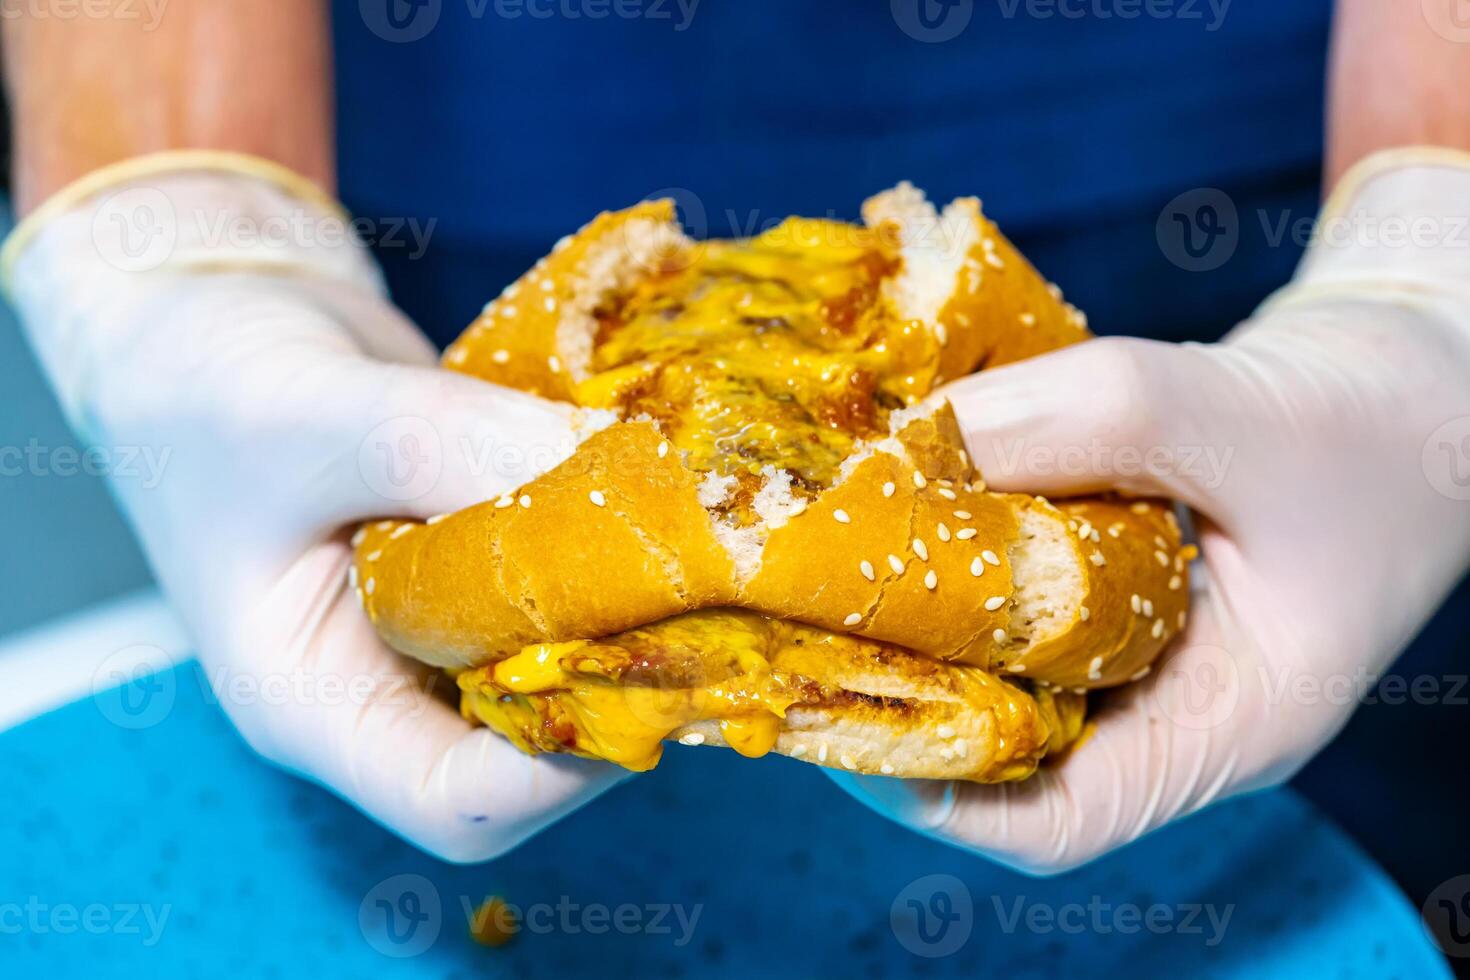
{"x": 91, "y": 267}
{"x": 135, "y": 169}
{"x": 1396, "y": 228}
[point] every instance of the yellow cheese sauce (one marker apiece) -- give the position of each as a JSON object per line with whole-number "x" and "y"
{"x": 619, "y": 698}
{"x": 774, "y": 351}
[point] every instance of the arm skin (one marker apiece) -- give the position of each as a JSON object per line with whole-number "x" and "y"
{"x": 1394, "y": 80}
{"x": 205, "y": 74}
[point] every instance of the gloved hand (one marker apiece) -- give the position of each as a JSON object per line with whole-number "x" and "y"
{"x": 212, "y": 309}
{"x": 1324, "y": 448}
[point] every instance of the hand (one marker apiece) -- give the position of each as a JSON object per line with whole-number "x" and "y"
{"x": 1321, "y": 448}
{"x": 289, "y": 400}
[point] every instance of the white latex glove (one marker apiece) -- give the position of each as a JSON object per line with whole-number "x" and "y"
{"x": 1324, "y": 447}
{"x": 211, "y": 310}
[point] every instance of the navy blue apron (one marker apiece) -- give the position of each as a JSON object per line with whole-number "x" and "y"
{"x": 499, "y": 125}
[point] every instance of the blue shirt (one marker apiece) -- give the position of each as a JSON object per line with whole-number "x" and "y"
{"x": 507, "y": 123}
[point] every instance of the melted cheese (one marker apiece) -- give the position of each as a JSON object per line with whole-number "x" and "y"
{"x": 619, "y": 698}
{"x": 777, "y": 351}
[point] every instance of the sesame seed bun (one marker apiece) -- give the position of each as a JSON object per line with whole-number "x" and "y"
{"x": 967, "y": 620}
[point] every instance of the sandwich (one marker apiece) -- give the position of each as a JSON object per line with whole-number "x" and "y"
{"x": 771, "y": 536}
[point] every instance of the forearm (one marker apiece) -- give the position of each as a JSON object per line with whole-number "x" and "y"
{"x": 205, "y": 74}
{"x": 1400, "y": 76}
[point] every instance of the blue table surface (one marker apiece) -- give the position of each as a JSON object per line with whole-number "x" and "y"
{"x": 156, "y": 845}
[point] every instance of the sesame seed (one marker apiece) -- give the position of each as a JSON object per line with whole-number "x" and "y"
{"x": 525, "y": 500}
{"x": 547, "y": 285}
{"x": 946, "y": 753}
{"x": 822, "y": 752}
{"x": 597, "y": 498}
{"x": 352, "y": 576}
{"x": 1028, "y": 319}
{"x": 1094, "y": 669}
{"x": 500, "y": 356}
{"x": 947, "y": 493}
{"x": 357, "y": 538}
{"x": 990, "y": 558}
{"x": 999, "y": 636}
{"x": 852, "y": 619}
{"x": 549, "y": 303}
{"x": 921, "y": 549}
{"x": 919, "y": 480}
{"x": 503, "y": 502}
{"x": 964, "y": 458}
{"x": 848, "y": 763}
{"x": 888, "y": 489}
{"x": 1085, "y": 531}
{"x": 1136, "y": 603}
{"x": 508, "y": 311}
{"x": 1162, "y": 558}
{"x": 693, "y": 738}
{"x": 896, "y": 564}
{"x": 1181, "y": 619}
{"x": 1085, "y": 613}
{"x": 372, "y": 584}
{"x": 1016, "y": 668}
{"x": 942, "y": 531}
{"x": 1174, "y": 582}
{"x": 866, "y": 567}
{"x": 886, "y": 769}
{"x": 1148, "y": 607}
{"x": 435, "y": 519}
{"x": 1139, "y": 508}
{"x": 963, "y": 515}
{"x": 663, "y": 449}
{"x": 931, "y": 580}
{"x": 1114, "y": 530}
{"x": 1097, "y": 559}
{"x": 400, "y": 531}
{"x": 945, "y": 731}
{"x": 1160, "y": 542}
{"x": 942, "y": 333}
{"x": 840, "y": 516}
{"x": 977, "y": 568}
{"x": 1139, "y": 675}
{"x": 1158, "y": 629}
{"x": 375, "y": 555}
{"x": 554, "y": 363}
{"x": 798, "y": 752}
{"x": 965, "y": 533}
{"x": 994, "y": 603}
